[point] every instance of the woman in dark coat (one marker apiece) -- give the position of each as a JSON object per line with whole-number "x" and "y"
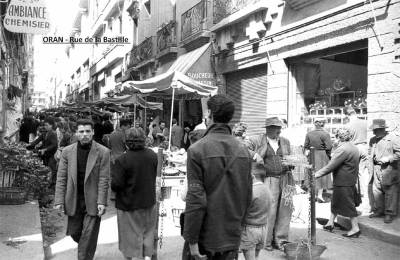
{"x": 134, "y": 182}
{"x": 344, "y": 166}
{"x": 321, "y": 141}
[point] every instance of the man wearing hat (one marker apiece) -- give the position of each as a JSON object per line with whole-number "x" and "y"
{"x": 269, "y": 149}
{"x": 384, "y": 164}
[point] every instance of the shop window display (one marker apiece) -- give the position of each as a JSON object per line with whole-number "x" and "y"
{"x": 326, "y": 85}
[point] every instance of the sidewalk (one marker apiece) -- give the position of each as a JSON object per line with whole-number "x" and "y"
{"x": 20, "y": 232}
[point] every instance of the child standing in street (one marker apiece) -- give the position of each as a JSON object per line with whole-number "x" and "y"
{"x": 255, "y": 225}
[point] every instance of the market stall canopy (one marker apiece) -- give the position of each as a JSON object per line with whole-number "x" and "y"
{"x": 177, "y": 76}
{"x": 168, "y": 81}
{"x": 130, "y": 100}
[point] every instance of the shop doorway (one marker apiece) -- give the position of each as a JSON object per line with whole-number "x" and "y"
{"x": 324, "y": 83}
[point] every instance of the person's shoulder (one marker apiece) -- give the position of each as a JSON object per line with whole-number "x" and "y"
{"x": 101, "y": 148}
{"x": 284, "y": 140}
{"x": 68, "y": 148}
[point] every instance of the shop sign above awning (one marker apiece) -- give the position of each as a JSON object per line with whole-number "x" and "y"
{"x": 27, "y": 17}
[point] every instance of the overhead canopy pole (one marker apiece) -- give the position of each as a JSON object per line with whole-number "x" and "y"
{"x": 172, "y": 116}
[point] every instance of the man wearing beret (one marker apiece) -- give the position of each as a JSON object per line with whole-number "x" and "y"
{"x": 269, "y": 149}
{"x": 384, "y": 165}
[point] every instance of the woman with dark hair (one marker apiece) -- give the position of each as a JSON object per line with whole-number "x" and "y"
{"x": 344, "y": 166}
{"x": 134, "y": 182}
{"x": 320, "y": 140}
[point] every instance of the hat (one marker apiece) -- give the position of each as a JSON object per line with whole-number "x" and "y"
{"x": 378, "y": 123}
{"x": 273, "y": 121}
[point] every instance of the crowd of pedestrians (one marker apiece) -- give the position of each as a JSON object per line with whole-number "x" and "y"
{"x": 236, "y": 184}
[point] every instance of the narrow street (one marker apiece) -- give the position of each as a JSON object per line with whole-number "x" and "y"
{"x": 231, "y": 109}
{"x": 338, "y": 247}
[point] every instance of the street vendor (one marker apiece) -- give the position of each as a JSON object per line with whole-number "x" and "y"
{"x": 48, "y": 148}
{"x": 269, "y": 149}
{"x": 160, "y": 133}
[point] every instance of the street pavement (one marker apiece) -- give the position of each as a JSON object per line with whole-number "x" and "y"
{"x": 20, "y": 232}
{"x": 338, "y": 247}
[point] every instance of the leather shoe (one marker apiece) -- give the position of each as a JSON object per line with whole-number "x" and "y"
{"x": 388, "y": 219}
{"x": 328, "y": 228}
{"x": 355, "y": 235}
{"x": 375, "y": 215}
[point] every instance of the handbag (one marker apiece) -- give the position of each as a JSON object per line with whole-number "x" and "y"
{"x": 357, "y": 194}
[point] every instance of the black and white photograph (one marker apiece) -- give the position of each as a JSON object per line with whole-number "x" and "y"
{"x": 199, "y": 129}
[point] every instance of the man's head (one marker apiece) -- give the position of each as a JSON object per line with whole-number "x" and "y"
{"x": 49, "y": 123}
{"x": 221, "y": 109}
{"x": 273, "y": 127}
{"x": 84, "y": 131}
{"x": 162, "y": 125}
{"x": 379, "y": 127}
{"x": 174, "y": 121}
{"x": 125, "y": 124}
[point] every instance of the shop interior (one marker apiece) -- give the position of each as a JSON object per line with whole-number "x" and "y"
{"x": 325, "y": 85}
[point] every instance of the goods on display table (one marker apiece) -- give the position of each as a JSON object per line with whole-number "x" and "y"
{"x": 173, "y": 172}
{"x": 332, "y": 107}
{"x": 21, "y": 172}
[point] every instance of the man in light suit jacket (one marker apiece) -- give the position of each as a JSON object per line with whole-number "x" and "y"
{"x": 82, "y": 186}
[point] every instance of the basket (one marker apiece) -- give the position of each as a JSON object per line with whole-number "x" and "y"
{"x": 12, "y": 196}
{"x": 299, "y": 251}
{"x": 7, "y": 177}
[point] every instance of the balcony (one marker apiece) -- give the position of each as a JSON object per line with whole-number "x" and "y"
{"x": 141, "y": 55}
{"x": 195, "y": 26}
{"x": 224, "y": 8}
{"x": 166, "y": 40}
{"x": 298, "y": 4}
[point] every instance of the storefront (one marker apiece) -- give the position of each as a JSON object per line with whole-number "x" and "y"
{"x": 323, "y": 83}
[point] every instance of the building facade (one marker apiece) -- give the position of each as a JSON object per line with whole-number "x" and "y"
{"x": 294, "y": 59}
{"x": 297, "y": 59}
{"x": 16, "y": 84}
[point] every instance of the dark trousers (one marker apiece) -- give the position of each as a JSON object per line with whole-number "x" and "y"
{"x": 228, "y": 255}
{"x": 84, "y": 229}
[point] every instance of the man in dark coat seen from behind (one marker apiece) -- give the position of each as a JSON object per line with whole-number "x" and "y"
{"x": 219, "y": 187}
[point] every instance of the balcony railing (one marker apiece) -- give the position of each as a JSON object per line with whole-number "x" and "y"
{"x": 140, "y": 53}
{"x": 166, "y": 36}
{"x": 193, "y": 20}
{"x": 224, "y": 8}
